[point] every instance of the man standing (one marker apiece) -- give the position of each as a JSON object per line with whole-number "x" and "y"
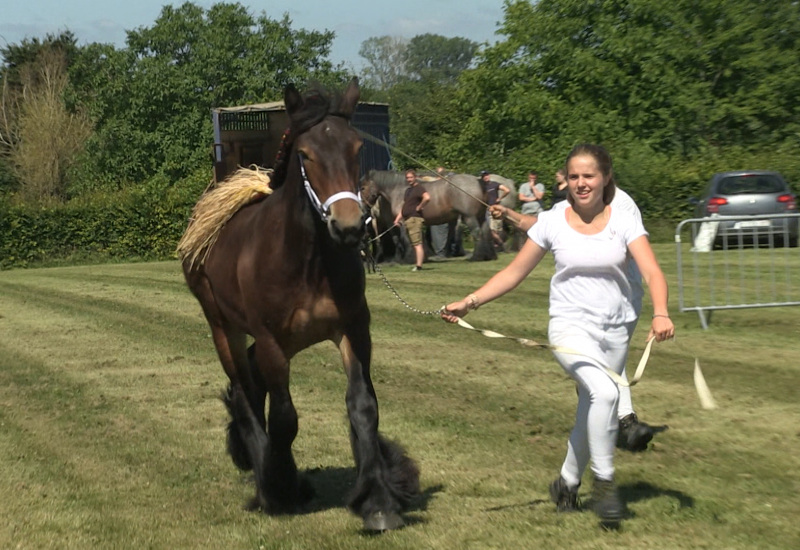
{"x": 410, "y": 215}
{"x": 531, "y": 194}
{"x": 495, "y": 192}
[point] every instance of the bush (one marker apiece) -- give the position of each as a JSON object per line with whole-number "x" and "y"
{"x": 141, "y": 222}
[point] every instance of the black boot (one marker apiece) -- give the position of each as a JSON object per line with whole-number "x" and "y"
{"x": 565, "y": 499}
{"x": 606, "y": 502}
{"x": 633, "y": 435}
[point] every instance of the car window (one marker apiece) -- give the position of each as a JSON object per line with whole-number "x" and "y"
{"x": 740, "y": 185}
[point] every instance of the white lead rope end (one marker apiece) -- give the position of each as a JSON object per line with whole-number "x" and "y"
{"x": 706, "y": 401}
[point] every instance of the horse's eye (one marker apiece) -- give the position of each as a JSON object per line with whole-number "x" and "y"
{"x": 303, "y": 155}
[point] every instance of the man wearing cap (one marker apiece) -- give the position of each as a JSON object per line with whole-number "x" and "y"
{"x": 495, "y": 192}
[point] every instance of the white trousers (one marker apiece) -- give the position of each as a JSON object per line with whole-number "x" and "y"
{"x": 594, "y": 435}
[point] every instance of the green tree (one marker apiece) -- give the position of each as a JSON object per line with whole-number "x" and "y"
{"x": 665, "y": 81}
{"x": 421, "y": 118}
{"x": 418, "y": 78}
{"x": 433, "y": 57}
{"x": 385, "y": 56}
{"x": 41, "y": 133}
{"x": 151, "y": 101}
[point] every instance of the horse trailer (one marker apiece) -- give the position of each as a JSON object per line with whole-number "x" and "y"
{"x": 247, "y": 135}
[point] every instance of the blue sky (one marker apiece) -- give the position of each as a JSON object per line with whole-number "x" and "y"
{"x": 353, "y": 21}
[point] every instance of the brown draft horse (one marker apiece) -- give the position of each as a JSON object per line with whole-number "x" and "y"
{"x": 287, "y": 271}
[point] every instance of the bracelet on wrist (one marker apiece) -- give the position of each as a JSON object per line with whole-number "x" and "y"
{"x": 665, "y": 316}
{"x": 473, "y": 302}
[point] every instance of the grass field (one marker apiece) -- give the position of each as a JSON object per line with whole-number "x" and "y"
{"x": 112, "y": 436}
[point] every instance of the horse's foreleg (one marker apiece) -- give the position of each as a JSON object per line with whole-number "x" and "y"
{"x": 387, "y": 478}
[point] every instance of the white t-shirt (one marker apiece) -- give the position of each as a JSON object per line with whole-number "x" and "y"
{"x": 623, "y": 201}
{"x": 591, "y": 281}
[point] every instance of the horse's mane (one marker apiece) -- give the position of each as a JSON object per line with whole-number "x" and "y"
{"x": 384, "y": 179}
{"x": 216, "y": 207}
{"x": 318, "y": 102}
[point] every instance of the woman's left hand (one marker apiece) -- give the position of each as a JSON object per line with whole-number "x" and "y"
{"x": 661, "y": 329}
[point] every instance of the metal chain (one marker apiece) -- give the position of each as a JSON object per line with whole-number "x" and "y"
{"x": 379, "y": 271}
{"x": 372, "y": 263}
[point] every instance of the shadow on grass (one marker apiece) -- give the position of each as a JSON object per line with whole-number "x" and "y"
{"x": 529, "y": 504}
{"x": 628, "y": 493}
{"x": 333, "y": 485}
{"x": 643, "y": 491}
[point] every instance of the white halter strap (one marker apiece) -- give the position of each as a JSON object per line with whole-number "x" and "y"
{"x": 324, "y": 209}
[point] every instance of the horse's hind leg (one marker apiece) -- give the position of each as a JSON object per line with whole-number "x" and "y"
{"x": 247, "y": 441}
{"x": 256, "y": 397}
{"x": 279, "y": 485}
{"x": 387, "y": 478}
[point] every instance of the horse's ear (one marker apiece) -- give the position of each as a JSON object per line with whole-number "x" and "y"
{"x": 292, "y": 100}
{"x": 350, "y": 97}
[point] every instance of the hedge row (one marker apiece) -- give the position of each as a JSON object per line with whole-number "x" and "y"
{"x": 142, "y": 222}
{"x": 146, "y": 221}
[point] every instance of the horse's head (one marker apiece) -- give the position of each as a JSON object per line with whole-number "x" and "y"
{"x": 327, "y": 148}
{"x": 369, "y": 189}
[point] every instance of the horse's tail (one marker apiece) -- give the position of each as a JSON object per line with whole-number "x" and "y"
{"x": 216, "y": 207}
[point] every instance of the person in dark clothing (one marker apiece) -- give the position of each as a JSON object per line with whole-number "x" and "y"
{"x": 410, "y": 215}
{"x": 560, "y": 191}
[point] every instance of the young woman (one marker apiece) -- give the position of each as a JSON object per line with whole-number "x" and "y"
{"x": 591, "y": 311}
{"x": 560, "y": 191}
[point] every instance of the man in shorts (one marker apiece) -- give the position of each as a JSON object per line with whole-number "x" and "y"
{"x": 495, "y": 192}
{"x": 416, "y": 197}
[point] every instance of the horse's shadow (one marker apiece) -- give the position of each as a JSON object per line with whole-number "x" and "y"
{"x": 330, "y": 487}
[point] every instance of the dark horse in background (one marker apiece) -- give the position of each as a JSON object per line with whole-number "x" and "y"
{"x": 458, "y": 197}
{"x": 286, "y": 270}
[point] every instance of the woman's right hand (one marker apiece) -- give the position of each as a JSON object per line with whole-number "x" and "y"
{"x": 497, "y": 211}
{"x": 661, "y": 328}
{"x": 454, "y": 311}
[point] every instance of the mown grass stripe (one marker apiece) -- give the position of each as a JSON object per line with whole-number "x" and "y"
{"x": 486, "y": 420}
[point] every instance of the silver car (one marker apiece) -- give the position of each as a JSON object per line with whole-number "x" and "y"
{"x": 753, "y": 193}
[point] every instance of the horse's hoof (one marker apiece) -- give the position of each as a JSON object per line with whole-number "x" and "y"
{"x": 256, "y": 504}
{"x": 383, "y": 521}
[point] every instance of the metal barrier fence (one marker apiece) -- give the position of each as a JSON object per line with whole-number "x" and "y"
{"x": 736, "y": 262}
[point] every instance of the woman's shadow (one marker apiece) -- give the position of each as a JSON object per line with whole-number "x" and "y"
{"x": 629, "y": 493}
{"x": 642, "y": 490}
